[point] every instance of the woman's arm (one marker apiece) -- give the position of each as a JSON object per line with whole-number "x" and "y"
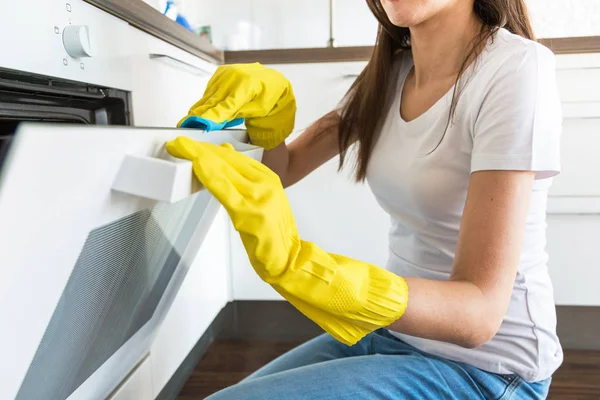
{"x": 468, "y": 309}
{"x": 316, "y": 145}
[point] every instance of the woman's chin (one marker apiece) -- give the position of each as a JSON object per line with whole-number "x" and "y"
{"x": 406, "y": 13}
{"x": 402, "y": 18}
{"x": 403, "y": 21}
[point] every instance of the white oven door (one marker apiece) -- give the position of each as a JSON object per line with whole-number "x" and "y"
{"x": 98, "y": 227}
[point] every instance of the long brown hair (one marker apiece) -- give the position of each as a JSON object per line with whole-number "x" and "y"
{"x": 365, "y": 102}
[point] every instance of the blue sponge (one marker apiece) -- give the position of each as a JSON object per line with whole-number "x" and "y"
{"x": 207, "y": 125}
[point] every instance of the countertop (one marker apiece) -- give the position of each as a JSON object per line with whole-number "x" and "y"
{"x": 144, "y": 17}
{"x": 571, "y": 45}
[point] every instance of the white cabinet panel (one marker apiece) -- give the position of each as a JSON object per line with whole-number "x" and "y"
{"x": 204, "y": 292}
{"x": 577, "y": 190}
{"x": 574, "y": 201}
{"x": 137, "y": 386}
{"x": 578, "y": 77}
{"x": 571, "y": 61}
{"x": 574, "y": 263}
{"x": 579, "y": 157}
{"x": 166, "y": 81}
{"x": 579, "y": 84}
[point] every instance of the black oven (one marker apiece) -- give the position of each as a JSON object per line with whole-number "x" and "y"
{"x": 31, "y": 97}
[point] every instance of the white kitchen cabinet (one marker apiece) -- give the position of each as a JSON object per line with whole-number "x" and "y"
{"x": 330, "y": 209}
{"x": 137, "y": 385}
{"x": 574, "y": 264}
{"x": 574, "y": 201}
{"x": 166, "y": 81}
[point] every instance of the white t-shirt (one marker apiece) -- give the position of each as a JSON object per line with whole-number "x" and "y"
{"x": 508, "y": 117}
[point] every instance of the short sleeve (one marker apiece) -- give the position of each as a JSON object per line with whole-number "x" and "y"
{"x": 519, "y": 123}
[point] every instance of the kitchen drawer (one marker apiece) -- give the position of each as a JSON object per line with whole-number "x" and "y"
{"x": 574, "y": 263}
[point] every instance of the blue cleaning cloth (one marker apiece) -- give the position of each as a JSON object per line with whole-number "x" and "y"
{"x": 207, "y": 125}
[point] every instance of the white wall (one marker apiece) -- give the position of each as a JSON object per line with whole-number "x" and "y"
{"x": 305, "y": 23}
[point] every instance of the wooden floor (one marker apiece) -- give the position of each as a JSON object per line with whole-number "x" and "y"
{"x": 227, "y": 362}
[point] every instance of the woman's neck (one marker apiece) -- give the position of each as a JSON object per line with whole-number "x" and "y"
{"x": 440, "y": 44}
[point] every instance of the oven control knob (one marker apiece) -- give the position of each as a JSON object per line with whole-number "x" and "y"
{"x": 76, "y": 39}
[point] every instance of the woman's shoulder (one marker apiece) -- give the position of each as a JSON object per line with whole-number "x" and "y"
{"x": 507, "y": 51}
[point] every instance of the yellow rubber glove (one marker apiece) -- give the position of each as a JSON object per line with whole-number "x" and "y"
{"x": 346, "y": 297}
{"x": 260, "y": 95}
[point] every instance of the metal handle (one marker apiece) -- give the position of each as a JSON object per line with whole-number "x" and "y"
{"x": 331, "y": 41}
{"x": 177, "y": 63}
{"x": 350, "y": 76}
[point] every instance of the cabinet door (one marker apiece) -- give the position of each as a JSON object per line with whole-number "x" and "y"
{"x": 330, "y": 209}
{"x": 573, "y": 258}
{"x": 166, "y": 81}
{"x": 574, "y": 201}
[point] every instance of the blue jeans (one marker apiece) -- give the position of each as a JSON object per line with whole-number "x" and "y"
{"x": 380, "y": 366}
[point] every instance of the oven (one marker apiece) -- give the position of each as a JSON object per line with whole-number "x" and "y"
{"x": 99, "y": 227}
{"x": 98, "y": 224}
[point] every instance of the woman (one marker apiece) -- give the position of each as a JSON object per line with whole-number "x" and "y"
{"x": 458, "y": 137}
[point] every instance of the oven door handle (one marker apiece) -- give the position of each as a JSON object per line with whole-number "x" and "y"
{"x": 164, "y": 178}
{"x": 180, "y": 64}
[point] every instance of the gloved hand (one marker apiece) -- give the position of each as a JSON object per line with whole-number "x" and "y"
{"x": 260, "y": 95}
{"x": 346, "y": 297}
